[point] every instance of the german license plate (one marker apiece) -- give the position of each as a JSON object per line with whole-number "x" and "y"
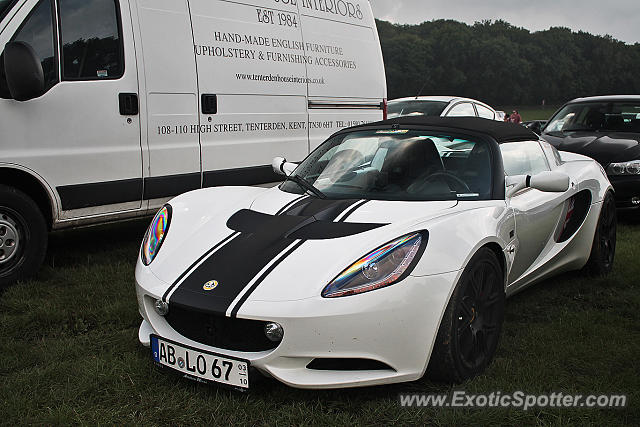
{"x": 199, "y": 364}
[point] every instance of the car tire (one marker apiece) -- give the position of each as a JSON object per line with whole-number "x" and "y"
{"x": 603, "y": 250}
{"x": 23, "y": 236}
{"x": 470, "y": 328}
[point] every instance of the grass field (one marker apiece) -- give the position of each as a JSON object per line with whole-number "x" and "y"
{"x": 70, "y": 353}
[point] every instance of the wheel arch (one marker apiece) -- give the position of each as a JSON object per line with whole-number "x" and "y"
{"x": 33, "y": 187}
{"x": 497, "y": 250}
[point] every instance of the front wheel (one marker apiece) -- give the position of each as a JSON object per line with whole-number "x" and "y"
{"x": 23, "y": 236}
{"x": 470, "y": 329}
{"x": 603, "y": 250}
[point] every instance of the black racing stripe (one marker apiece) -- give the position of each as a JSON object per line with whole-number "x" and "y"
{"x": 296, "y": 227}
{"x": 263, "y": 276}
{"x": 206, "y": 254}
{"x": 239, "y": 261}
{"x": 288, "y": 205}
{"x": 233, "y": 267}
{"x": 322, "y": 209}
{"x": 353, "y": 209}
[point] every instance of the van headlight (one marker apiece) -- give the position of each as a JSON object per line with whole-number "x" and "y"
{"x": 382, "y": 267}
{"x": 155, "y": 235}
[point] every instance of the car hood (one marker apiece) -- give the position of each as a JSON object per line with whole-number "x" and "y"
{"x": 248, "y": 236}
{"x": 603, "y": 147}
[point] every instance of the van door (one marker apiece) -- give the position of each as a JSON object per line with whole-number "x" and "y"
{"x": 83, "y": 135}
{"x": 346, "y": 74}
{"x": 253, "y": 91}
{"x": 171, "y": 99}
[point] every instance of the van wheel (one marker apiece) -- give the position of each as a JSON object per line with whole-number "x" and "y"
{"x": 471, "y": 325}
{"x": 23, "y": 236}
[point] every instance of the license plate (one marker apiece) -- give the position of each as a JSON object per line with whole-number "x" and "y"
{"x": 200, "y": 365}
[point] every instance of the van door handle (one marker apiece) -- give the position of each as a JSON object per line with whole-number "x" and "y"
{"x": 128, "y": 104}
{"x": 209, "y": 103}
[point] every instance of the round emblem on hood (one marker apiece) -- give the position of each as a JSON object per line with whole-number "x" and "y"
{"x": 209, "y": 286}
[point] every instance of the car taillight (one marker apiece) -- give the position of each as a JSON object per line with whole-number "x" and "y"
{"x": 385, "y": 109}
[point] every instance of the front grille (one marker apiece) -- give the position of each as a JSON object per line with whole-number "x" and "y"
{"x": 322, "y": 364}
{"x": 219, "y": 331}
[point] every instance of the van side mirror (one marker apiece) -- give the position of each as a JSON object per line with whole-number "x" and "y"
{"x": 23, "y": 70}
{"x": 282, "y": 167}
{"x": 548, "y": 181}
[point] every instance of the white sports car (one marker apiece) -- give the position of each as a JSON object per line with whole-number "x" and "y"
{"x": 385, "y": 255}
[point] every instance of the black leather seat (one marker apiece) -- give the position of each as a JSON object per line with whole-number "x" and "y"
{"x": 410, "y": 161}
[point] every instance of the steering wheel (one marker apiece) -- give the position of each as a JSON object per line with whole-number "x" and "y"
{"x": 458, "y": 184}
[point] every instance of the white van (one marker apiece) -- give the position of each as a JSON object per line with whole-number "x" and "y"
{"x": 110, "y": 107}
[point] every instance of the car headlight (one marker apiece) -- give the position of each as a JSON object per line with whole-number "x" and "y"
{"x": 155, "y": 235}
{"x": 382, "y": 267}
{"x": 624, "y": 168}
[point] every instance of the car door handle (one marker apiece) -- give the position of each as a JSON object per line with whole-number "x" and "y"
{"x": 128, "y": 104}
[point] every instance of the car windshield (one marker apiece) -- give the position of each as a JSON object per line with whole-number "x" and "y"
{"x": 595, "y": 117}
{"x": 397, "y": 165}
{"x": 416, "y": 108}
{"x": 4, "y": 7}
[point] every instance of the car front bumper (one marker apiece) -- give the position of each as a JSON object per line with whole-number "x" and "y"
{"x": 626, "y": 189}
{"x": 395, "y": 326}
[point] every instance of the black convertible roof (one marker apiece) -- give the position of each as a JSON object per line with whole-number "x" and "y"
{"x": 500, "y": 131}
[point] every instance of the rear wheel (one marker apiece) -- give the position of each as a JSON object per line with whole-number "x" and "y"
{"x": 23, "y": 236}
{"x": 470, "y": 329}
{"x": 603, "y": 250}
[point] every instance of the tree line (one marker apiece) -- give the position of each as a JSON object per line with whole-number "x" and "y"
{"x": 500, "y": 64}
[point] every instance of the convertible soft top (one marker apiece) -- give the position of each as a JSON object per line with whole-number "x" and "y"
{"x": 500, "y": 131}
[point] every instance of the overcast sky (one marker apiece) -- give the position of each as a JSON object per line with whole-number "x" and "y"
{"x": 618, "y": 18}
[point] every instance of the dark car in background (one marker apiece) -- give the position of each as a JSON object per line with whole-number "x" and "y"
{"x": 607, "y": 129}
{"x": 535, "y": 125}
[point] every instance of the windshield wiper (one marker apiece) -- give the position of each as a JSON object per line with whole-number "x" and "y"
{"x": 306, "y": 186}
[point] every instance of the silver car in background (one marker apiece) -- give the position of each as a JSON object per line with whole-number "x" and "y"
{"x": 441, "y": 106}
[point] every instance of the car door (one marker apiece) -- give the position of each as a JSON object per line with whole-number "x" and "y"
{"x": 83, "y": 134}
{"x": 537, "y": 213}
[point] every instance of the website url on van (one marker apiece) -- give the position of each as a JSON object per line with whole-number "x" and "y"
{"x": 270, "y": 78}
{"x": 518, "y": 399}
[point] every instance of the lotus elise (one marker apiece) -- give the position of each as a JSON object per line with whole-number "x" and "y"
{"x": 385, "y": 255}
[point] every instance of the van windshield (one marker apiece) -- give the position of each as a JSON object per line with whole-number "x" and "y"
{"x": 5, "y": 5}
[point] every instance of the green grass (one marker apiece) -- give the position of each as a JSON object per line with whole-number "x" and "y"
{"x": 532, "y": 112}
{"x": 70, "y": 353}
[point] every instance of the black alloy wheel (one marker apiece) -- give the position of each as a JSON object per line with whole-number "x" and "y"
{"x": 470, "y": 329}
{"x": 603, "y": 250}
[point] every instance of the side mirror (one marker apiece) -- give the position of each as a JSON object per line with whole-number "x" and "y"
{"x": 550, "y": 182}
{"x": 25, "y": 77}
{"x": 282, "y": 167}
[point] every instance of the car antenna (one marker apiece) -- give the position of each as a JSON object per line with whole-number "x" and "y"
{"x": 421, "y": 89}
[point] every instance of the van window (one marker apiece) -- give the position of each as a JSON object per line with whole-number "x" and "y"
{"x": 91, "y": 40}
{"x": 37, "y": 31}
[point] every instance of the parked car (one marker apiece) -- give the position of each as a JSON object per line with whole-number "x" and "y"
{"x": 535, "y": 125}
{"x": 110, "y": 107}
{"x": 607, "y": 129}
{"x": 440, "y": 106}
{"x": 388, "y": 252}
